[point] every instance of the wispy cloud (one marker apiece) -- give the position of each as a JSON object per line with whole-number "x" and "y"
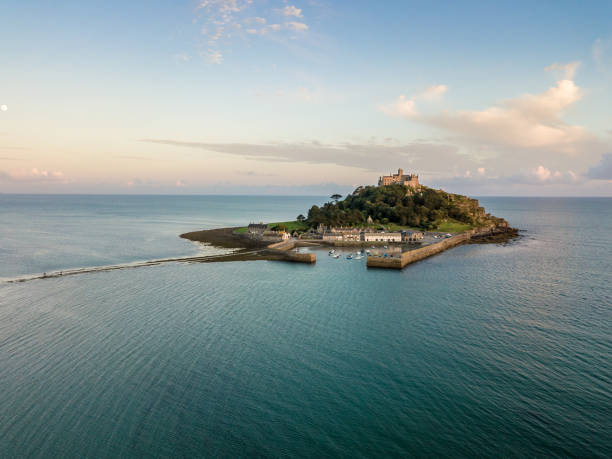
{"x": 565, "y": 71}
{"x": 291, "y": 10}
{"x": 222, "y": 20}
{"x": 298, "y": 26}
{"x": 426, "y": 157}
{"x": 600, "y": 50}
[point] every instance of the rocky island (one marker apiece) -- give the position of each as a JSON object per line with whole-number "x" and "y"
{"x": 417, "y": 221}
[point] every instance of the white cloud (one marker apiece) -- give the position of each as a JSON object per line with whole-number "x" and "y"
{"x": 406, "y": 107}
{"x": 214, "y": 56}
{"x": 401, "y": 107}
{"x": 33, "y": 175}
{"x": 434, "y": 92}
{"x": 531, "y": 121}
{"x": 291, "y": 10}
{"x": 546, "y": 175}
{"x": 299, "y": 26}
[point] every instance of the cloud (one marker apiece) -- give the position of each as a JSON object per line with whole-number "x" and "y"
{"x": 428, "y": 158}
{"x": 406, "y": 107}
{"x": 402, "y": 107}
{"x": 602, "y": 170}
{"x": 291, "y": 10}
{"x": 566, "y": 71}
{"x": 434, "y": 92}
{"x": 531, "y": 121}
{"x": 599, "y": 51}
{"x": 298, "y": 26}
{"x": 33, "y": 175}
{"x": 221, "y": 22}
{"x": 256, "y": 174}
{"x": 182, "y": 57}
{"x": 214, "y": 56}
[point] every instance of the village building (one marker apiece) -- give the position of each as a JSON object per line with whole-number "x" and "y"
{"x": 348, "y": 234}
{"x": 330, "y": 236}
{"x": 382, "y": 237}
{"x": 410, "y": 180}
{"x": 411, "y": 236}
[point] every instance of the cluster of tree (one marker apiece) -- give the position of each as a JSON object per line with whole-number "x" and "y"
{"x": 394, "y": 204}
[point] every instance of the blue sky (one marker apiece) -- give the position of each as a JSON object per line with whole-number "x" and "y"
{"x": 305, "y": 97}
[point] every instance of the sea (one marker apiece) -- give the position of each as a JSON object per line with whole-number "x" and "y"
{"x": 489, "y": 350}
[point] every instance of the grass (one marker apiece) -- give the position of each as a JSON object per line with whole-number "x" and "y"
{"x": 291, "y": 226}
{"x": 453, "y": 226}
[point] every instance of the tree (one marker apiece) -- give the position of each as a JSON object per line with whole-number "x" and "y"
{"x": 279, "y": 227}
{"x": 335, "y": 197}
{"x": 301, "y": 218}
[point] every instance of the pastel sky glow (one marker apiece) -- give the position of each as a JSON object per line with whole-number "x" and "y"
{"x": 305, "y": 96}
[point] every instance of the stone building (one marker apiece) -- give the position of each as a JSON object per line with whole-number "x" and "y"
{"x": 275, "y": 235}
{"x": 411, "y": 236}
{"x": 410, "y": 180}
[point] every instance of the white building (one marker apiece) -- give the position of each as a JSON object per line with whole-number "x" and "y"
{"x": 382, "y": 237}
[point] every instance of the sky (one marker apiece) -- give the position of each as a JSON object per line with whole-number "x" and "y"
{"x": 305, "y": 97}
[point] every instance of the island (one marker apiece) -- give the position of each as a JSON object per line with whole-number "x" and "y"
{"x": 395, "y": 223}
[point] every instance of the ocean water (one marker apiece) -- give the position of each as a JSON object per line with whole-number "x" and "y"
{"x": 488, "y": 350}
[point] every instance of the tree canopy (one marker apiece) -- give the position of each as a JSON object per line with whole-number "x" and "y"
{"x": 396, "y": 204}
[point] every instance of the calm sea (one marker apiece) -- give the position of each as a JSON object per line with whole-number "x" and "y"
{"x": 484, "y": 350}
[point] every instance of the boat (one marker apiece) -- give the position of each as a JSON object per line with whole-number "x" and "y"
{"x": 349, "y": 257}
{"x": 332, "y": 251}
{"x": 358, "y": 257}
{"x": 337, "y": 255}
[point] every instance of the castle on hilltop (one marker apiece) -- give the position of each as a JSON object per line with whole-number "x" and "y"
{"x": 410, "y": 180}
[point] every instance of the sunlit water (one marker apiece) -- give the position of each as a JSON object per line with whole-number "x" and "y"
{"x": 494, "y": 350}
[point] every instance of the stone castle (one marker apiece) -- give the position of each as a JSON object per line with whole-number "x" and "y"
{"x": 410, "y": 180}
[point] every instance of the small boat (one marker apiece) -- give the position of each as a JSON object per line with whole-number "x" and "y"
{"x": 358, "y": 257}
{"x": 332, "y": 251}
{"x": 368, "y": 252}
{"x": 337, "y": 255}
{"x": 349, "y": 257}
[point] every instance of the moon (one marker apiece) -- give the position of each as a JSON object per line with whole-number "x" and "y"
{"x": 3, "y": 107}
